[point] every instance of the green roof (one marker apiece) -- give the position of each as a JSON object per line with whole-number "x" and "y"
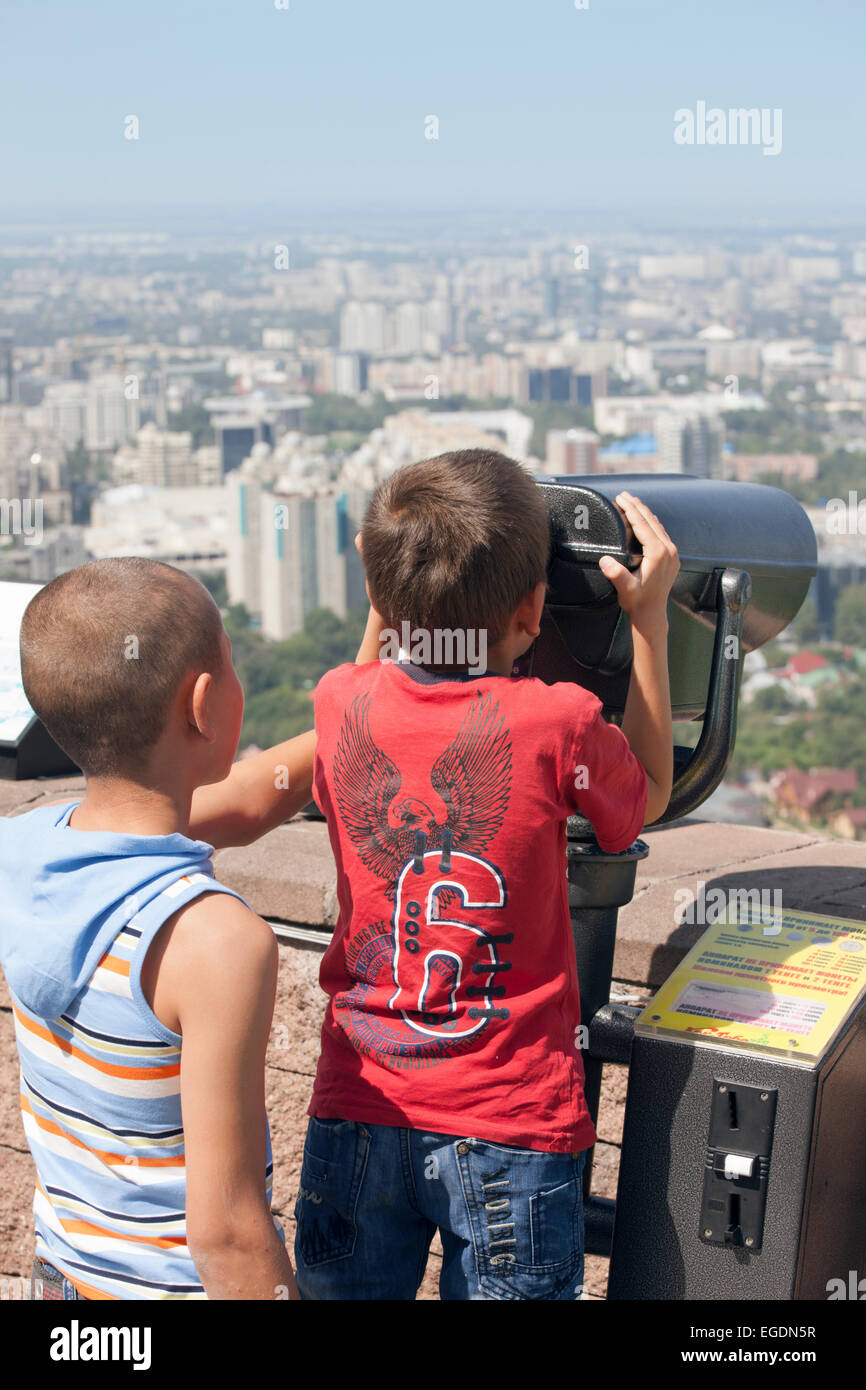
{"x": 819, "y": 676}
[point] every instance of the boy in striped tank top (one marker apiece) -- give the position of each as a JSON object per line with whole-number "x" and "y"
{"x": 143, "y": 990}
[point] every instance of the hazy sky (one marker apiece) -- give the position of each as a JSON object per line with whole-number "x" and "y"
{"x": 244, "y": 107}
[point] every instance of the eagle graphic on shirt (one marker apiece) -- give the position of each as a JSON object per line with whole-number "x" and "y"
{"x": 472, "y": 777}
{"x": 428, "y": 982}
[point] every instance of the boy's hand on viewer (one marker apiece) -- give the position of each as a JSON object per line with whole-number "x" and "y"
{"x": 643, "y": 593}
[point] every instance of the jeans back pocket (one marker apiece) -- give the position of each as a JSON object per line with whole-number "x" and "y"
{"x": 525, "y": 1209}
{"x": 333, "y": 1168}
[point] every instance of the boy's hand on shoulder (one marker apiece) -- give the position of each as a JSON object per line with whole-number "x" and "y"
{"x": 643, "y": 593}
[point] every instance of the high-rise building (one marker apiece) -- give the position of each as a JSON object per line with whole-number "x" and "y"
{"x": 550, "y": 307}
{"x": 362, "y": 326}
{"x": 243, "y": 421}
{"x": 690, "y": 444}
{"x": 64, "y": 413}
{"x": 439, "y": 319}
{"x": 588, "y": 303}
{"x": 165, "y": 458}
{"x": 291, "y": 551}
{"x": 340, "y": 582}
{"x": 588, "y": 385}
{"x": 244, "y": 567}
{"x": 98, "y": 413}
{"x": 536, "y": 385}
{"x": 407, "y": 328}
{"x": 111, "y": 416}
{"x": 6, "y": 367}
{"x": 237, "y": 436}
{"x": 287, "y": 560}
{"x": 561, "y": 384}
{"x": 502, "y": 374}
{"x": 571, "y": 451}
{"x": 208, "y": 466}
{"x": 350, "y": 373}
{"x": 307, "y": 557}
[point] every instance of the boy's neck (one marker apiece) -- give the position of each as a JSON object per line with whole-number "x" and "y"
{"x": 500, "y": 661}
{"x": 121, "y": 807}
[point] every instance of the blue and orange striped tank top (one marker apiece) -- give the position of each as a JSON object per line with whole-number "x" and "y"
{"x": 100, "y": 1099}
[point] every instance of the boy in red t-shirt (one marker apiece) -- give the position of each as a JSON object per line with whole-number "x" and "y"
{"x": 449, "y": 1092}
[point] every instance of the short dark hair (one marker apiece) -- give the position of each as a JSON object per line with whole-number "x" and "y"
{"x": 104, "y": 649}
{"x": 456, "y": 541}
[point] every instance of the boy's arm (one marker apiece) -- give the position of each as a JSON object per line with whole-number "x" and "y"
{"x": 259, "y": 794}
{"x": 269, "y": 788}
{"x": 371, "y": 642}
{"x": 646, "y": 720}
{"x": 213, "y": 978}
{"x": 643, "y": 595}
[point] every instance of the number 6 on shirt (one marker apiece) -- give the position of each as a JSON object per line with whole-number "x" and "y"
{"x": 442, "y": 964}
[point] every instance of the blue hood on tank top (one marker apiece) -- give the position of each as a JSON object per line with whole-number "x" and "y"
{"x": 65, "y": 894}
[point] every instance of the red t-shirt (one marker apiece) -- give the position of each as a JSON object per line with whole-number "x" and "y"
{"x": 453, "y": 989}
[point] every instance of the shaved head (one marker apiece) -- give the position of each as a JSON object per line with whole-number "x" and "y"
{"x": 105, "y": 649}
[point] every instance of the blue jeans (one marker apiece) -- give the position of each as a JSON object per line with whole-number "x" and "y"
{"x": 372, "y": 1196}
{"x": 48, "y": 1283}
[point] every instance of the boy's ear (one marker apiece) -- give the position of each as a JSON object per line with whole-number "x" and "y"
{"x": 199, "y": 707}
{"x": 529, "y": 613}
{"x": 360, "y": 551}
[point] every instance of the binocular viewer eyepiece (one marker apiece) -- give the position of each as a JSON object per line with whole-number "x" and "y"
{"x": 747, "y": 557}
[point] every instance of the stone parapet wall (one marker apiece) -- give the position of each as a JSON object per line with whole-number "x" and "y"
{"x": 288, "y": 877}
